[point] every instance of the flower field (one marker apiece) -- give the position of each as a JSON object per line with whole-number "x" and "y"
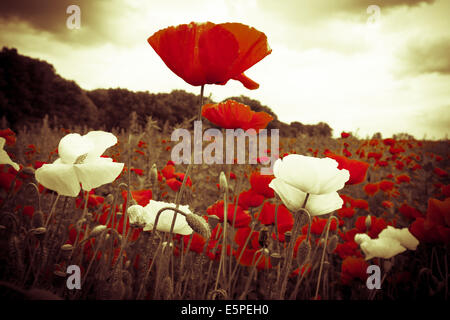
{"x": 271, "y": 252}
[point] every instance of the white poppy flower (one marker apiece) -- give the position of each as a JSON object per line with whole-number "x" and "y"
{"x": 384, "y": 248}
{"x": 4, "y": 157}
{"x": 136, "y": 214}
{"x": 403, "y": 236}
{"x": 80, "y": 162}
{"x": 311, "y": 175}
{"x": 294, "y": 198}
{"x": 390, "y": 242}
{"x": 165, "y": 218}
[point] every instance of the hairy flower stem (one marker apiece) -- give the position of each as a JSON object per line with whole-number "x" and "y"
{"x": 250, "y": 277}
{"x": 323, "y": 252}
{"x": 290, "y": 252}
{"x": 52, "y": 210}
{"x": 79, "y": 231}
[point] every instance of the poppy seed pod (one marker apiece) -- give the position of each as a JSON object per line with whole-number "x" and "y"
{"x": 39, "y": 233}
{"x": 288, "y": 236}
{"x": 275, "y": 258}
{"x": 66, "y": 249}
{"x": 263, "y": 237}
{"x": 303, "y": 252}
{"x": 199, "y": 225}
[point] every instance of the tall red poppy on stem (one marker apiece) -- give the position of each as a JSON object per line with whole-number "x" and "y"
{"x": 209, "y": 53}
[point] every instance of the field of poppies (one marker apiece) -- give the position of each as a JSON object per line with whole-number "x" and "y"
{"x": 88, "y": 214}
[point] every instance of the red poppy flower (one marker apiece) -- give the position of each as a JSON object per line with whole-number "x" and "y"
{"x": 348, "y": 249}
{"x": 361, "y": 204}
{"x": 441, "y": 173}
{"x": 353, "y": 268}
{"x": 387, "y": 204}
{"x": 9, "y": 135}
{"x": 347, "y": 153}
{"x": 208, "y": 53}
{"x": 346, "y": 212}
{"x": 242, "y": 218}
{"x": 139, "y": 172}
{"x": 249, "y": 199}
{"x": 251, "y": 256}
{"x": 403, "y": 178}
{"x": 345, "y": 134}
{"x": 356, "y": 168}
{"x": 142, "y": 197}
{"x": 232, "y": 115}
{"x": 386, "y": 185}
{"x": 285, "y": 221}
{"x": 168, "y": 171}
{"x": 409, "y": 212}
{"x": 241, "y": 237}
{"x": 374, "y": 155}
{"x": 389, "y": 142}
{"x": 197, "y": 242}
{"x": 260, "y": 184}
{"x": 318, "y": 224}
{"x": 376, "y": 226}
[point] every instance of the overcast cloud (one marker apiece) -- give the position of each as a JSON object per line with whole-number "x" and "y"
{"x": 328, "y": 62}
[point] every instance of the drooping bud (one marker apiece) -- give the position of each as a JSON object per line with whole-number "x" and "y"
{"x": 199, "y": 225}
{"x": 213, "y": 221}
{"x": 109, "y": 199}
{"x": 223, "y": 182}
{"x": 332, "y": 244}
{"x": 97, "y": 230}
{"x": 303, "y": 252}
{"x": 29, "y": 171}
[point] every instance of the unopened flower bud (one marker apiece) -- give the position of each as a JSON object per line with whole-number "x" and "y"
{"x": 136, "y": 215}
{"x": 223, "y": 182}
{"x": 97, "y": 230}
{"x": 109, "y": 199}
{"x": 332, "y": 244}
{"x": 66, "y": 249}
{"x": 199, "y": 225}
{"x": 213, "y": 221}
{"x": 368, "y": 222}
{"x": 303, "y": 252}
{"x": 153, "y": 174}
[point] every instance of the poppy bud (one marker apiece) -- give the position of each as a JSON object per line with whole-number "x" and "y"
{"x": 153, "y": 174}
{"x": 109, "y": 199}
{"x": 265, "y": 252}
{"x": 368, "y": 222}
{"x": 39, "y": 233}
{"x": 97, "y": 230}
{"x": 275, "y": 258}
{"x": 287, "y": 236}
{"x": 303, "y": 252}
{"x": 223, "y": 182}
{"x": 332, "y": 244}
{"x": 213, "y": 220}
{"x": 199, "y": 225}
{"x": 263, "y": 237}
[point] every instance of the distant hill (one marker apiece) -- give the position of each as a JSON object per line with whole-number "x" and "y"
{"x": 30, "y": 89}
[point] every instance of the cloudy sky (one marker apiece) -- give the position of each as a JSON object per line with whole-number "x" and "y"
{"x": 384, "y": 68}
